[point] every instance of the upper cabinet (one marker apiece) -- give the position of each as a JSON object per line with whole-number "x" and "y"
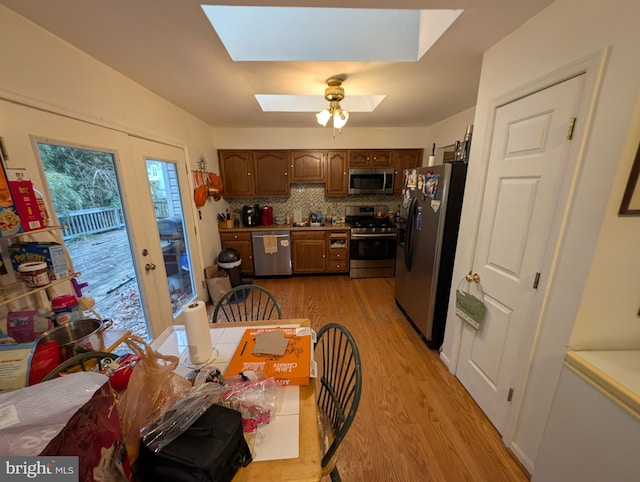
{"x": 404, "y": 159}
{"x": 271, "y": 173}
{"x": 370, "y": 158}
{"x": 307, "y": 166}
{"x": 254, "y": 173}
{"x": 268, "y": 173}
{"x": 336, "y": 173}
{"x": 236, "y": 169}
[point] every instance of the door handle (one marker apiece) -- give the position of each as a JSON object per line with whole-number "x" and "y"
{"x": 473, "y": 277}
{"x": 149, "y": 267}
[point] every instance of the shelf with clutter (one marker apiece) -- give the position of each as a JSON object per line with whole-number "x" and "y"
{"x": 42, "y": 309}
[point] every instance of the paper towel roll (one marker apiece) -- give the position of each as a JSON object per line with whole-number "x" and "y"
{"x": 196, "y": 325}
{"x": 432, "y": 161}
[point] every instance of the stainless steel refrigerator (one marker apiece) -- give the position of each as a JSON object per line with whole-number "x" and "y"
{"x": 427, "y": 237}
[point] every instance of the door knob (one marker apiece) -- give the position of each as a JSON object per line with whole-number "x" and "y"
{"x": 473, "y": 277}
{"x": 149, "y": 267}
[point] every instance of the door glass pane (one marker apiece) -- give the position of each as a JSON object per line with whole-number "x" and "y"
{"x": 167, "y": 204}
{"x": 85, "y": 193}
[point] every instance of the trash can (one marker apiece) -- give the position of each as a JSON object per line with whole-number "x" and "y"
{"x": 229, "y": 260}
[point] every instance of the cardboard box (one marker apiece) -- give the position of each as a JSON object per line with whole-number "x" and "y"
{"x": 295, "y": 367}
{"x": 26, "y": 205}
{"x": 218, "y": 282}
{"x": 51, "y": 253}
{"x": 9, "y": 219}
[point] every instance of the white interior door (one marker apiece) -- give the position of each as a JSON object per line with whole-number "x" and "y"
{"x": 527, "y": 172}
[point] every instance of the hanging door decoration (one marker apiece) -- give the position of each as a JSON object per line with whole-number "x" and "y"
{"x": 468, "y": 307}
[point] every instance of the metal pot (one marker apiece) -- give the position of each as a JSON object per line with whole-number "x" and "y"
{"x": 77, "y": 336}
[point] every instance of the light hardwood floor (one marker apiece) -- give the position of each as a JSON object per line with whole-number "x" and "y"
{"x": 415, "y": 422}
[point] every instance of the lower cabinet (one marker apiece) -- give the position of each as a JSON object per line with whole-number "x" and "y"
{"x": 338, "y": 248}
{"x": 312, "y": 251}
{"x": 241, "y": 242}
{"x": 308, "y": 251}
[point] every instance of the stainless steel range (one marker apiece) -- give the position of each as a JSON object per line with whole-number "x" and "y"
{"x": 372, "y": 251}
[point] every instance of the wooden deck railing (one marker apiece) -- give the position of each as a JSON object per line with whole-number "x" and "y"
{"x": 100, "y": 220}
{"x": 90, "y": 221}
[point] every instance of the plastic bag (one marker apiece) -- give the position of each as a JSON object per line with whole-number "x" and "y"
{"x": 153, "y": 387}
{"x": 180, "y": 416}
{"x": 256, "y": 401}
{"x": 69, "y": 416}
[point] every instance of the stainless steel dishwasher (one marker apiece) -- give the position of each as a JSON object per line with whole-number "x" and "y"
{"x": 271, "y": 253}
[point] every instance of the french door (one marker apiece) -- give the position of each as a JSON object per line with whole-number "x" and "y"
{"x": 148, "y": 182}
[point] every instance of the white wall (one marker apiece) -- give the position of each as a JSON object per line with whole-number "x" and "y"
{"x": 41, "y": 70}
{"x": 443, "y": 133}
{"x": 607, "y": 317}
{"x": 564, "y": 33}
{"x": 315, "y": 138}
{"x": 448, "y": 131}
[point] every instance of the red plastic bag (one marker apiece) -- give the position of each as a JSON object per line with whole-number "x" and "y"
{"x": 152, "y": 387}
{"x": 69, "y": 416}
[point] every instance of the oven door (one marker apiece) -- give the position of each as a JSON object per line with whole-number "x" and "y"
{"x": 372, "y": 247}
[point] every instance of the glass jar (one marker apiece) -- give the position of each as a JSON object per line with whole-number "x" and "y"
{"x": 34, "y": 274}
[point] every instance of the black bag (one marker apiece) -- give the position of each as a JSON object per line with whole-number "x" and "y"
{"x": 212, "y": 449}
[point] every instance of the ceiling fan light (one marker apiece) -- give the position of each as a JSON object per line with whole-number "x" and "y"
{"x": 340, "y": 118}
{"x": 323, "y": 117}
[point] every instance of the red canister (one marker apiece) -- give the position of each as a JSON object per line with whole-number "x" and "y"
{"x": 267, "y": 215}
{"x": 66, "y": 308}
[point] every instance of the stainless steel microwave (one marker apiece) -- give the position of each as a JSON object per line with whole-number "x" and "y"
{"x": 370, "y": 181}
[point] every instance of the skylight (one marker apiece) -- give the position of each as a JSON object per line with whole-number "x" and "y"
{"x": 315, "y": 103}
{"x": 327, "y": 34}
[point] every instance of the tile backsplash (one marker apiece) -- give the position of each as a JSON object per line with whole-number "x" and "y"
{"x": 311, "y": 198}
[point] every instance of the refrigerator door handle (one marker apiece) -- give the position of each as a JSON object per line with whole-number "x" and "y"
{"x": 408, "y": 248}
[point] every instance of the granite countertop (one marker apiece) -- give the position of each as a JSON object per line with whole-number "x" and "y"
{"x": 286, "y": 227}
{"x": 614, "y": 373}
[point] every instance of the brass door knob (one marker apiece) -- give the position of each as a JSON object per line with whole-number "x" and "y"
{"x": 473, "y": 277}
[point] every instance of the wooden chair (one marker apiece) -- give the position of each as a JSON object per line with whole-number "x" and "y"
{"x": 338, "y": 396}
{"x": 81, "y": 362}
{"x": 247, "y": 303}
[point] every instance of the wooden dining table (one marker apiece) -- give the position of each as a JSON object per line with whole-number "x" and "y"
{"x": 306, "y": 467}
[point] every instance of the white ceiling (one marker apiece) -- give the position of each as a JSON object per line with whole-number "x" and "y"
{"x": 170, "y": 47}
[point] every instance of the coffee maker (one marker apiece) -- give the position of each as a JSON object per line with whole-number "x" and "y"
{"x": 251, "y": 215}
{"x": 267, "y": 216}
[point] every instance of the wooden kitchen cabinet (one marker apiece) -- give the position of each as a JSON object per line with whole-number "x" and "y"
{"x": 254, "y": 173}
{"x": 336, "y": 173}
{"x": 236, "y": 170}
{"x": 271, "y": 170}
{"x": 308, "y": 251}
{"x": 338, "y": 249}
{"x": 241, "y": 242}
{"x": 361, "y": 158}
{"x": 307, "y": 166}
{"x": 269, "y": 173}
{"x": 404, "y": 159}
